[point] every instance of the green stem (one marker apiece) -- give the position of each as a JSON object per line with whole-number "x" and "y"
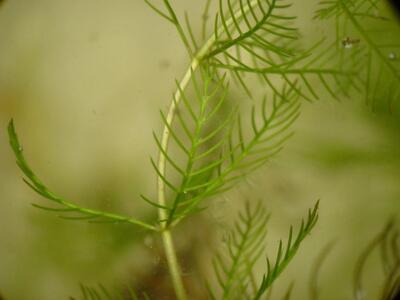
{"x": 169, "y": 247}
{"x": 173, "y": 265}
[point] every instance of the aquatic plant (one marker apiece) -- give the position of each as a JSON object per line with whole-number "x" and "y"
{"x": 209, "y": 143}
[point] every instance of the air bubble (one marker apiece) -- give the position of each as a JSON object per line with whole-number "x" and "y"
{"x": 392, "y": 56}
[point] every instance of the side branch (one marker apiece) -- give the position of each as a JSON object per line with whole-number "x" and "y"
{"x": 33, "y": 181}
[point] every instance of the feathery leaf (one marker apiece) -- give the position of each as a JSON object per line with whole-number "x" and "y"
{"x": 240, "y": 156}
{"x": 64, "y": 206}
{"x": 244, "y": 245}
{"x": 362, "y": 25}
{"x": 102, "y": 293}
{"x": 199, "y": 133}
{"x": 258, "y": 37}
{"x": 284, "y": 256}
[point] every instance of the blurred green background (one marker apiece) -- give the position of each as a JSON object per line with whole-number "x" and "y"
{"x": 84, "y": 80}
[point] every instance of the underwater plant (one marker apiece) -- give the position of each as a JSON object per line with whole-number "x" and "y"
{"x": 209, "y": 143}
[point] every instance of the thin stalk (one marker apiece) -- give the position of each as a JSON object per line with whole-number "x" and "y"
{"x": 173, "y": 265}
{"x": 169, "y": 247}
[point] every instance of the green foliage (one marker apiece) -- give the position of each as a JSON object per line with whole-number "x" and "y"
{"x": 259, "y": 37}
{"x": 102, "y": 293}
{"x": 284, "y": 256}
{"x": 388, "y": 242}
{"x": 365, "y": 25}
{"x": 208, "y": 143}
{"x": 65, "y": 209}
{"x": 387, "y": 245}
{"x": 197, "y": 138}
{"x": 244, "y": 247}
{"x": 217, "y": 158}
{"x": 243, "y": 27}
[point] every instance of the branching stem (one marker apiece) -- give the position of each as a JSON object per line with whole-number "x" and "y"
{"x": 169, "y": 247}
{"x": 168, "y": 243}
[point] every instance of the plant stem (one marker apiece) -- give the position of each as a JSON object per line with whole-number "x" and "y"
{"x": 173, "y": 265}
{"x": 168, "y": 243}
{"x": 169, "y": 247}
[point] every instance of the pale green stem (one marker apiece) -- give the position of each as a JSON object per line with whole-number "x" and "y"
{"x": 169, "y": 247}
